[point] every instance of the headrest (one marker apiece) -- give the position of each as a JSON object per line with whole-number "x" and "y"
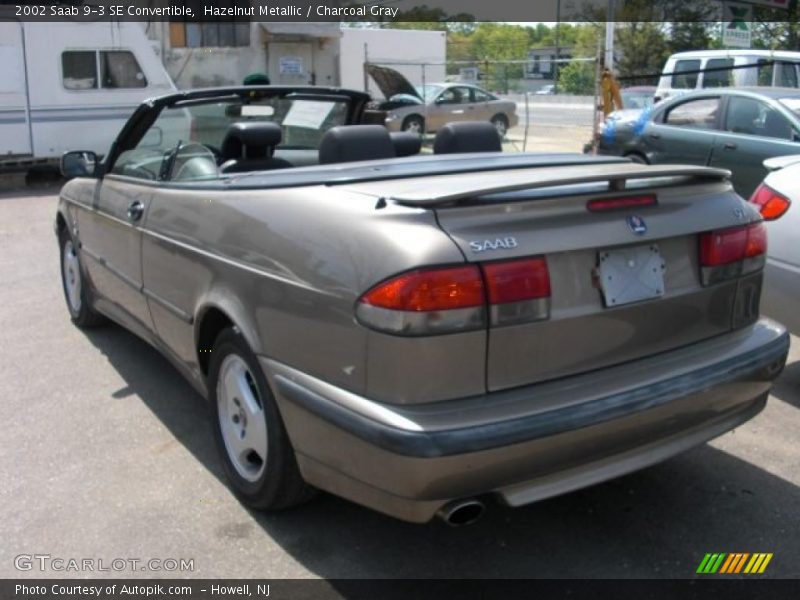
{"x": 406, "y": 143}
{"x": 253, "y": 139}
{"x": 467, "y": 136}
{"x": 350, "y": 143}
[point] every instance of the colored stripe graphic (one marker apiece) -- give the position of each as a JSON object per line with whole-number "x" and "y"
{"x": 728, "y": 562}
{"x": 758, "y": 563}
{"x": 735, "y": 562}
{"x": 741, "y": 562}
{"x": 711, "y": 563}
{"x": 724, "y": 563}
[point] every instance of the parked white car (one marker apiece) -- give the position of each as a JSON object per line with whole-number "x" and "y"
{"x": 778, "y": 198}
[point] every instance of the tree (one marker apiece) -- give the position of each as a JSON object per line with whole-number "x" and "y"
{"x": 777, "y": 29}
{"x": 493, "y": 43}
{"x": 642, "y": 49}
{"x": 578, "y": 77}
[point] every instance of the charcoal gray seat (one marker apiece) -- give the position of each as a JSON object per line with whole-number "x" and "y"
{"x": 349, "y": 143}
{"x": 250, "y": 147}
{"x": 467, "y": 136}
{"x": 406, "y": 143}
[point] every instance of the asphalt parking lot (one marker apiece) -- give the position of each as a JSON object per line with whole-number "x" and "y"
{"x": 107, "y": 453}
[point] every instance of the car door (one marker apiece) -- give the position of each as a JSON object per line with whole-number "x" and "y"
{"x": 753, "y": 130}
{"x": 481, "y": 107}
{"x": 452, "y": 104}
{"x": 111, "y": 237}
{"x": 683, "y": 132}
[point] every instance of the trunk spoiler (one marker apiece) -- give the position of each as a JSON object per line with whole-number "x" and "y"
{"x": 448, "y": 189}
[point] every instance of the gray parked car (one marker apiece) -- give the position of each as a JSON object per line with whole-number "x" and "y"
{"x": 428, "y": 107}
{"x": 735, "y": 129}
{"x": 418, "y": 334}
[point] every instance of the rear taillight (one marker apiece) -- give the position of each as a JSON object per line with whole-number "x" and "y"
{"x": 771, "y": 204}
{"x": 607, "y": 204}
{"x": 427, "y": 301}
{"x": 730, "y": 253}
{"x": 452, "y": 299}
{"x": 518, "y": 290}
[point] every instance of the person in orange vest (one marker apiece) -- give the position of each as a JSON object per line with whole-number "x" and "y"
{"x": 609, "y": 90}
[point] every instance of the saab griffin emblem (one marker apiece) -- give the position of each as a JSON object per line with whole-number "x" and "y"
{"x": 637, "y": 224}
{"x": 497, "y": 244}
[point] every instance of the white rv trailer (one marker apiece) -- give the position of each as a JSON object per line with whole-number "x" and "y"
{"x": 70, "y": 85}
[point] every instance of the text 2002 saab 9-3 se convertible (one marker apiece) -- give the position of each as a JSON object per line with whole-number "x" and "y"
{"x": 419, "y": 332}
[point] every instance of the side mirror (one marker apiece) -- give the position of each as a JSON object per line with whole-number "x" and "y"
{"x": 79, "y": 163}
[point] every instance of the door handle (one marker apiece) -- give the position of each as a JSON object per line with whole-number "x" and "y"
{"x": 655, "y": 136}
{"x": 730, "y": 146}
{"x": 135, "y": 210}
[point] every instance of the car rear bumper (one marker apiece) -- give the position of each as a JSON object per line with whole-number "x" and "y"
{"x": 527, "y": 443}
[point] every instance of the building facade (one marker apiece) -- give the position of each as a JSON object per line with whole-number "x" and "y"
{"x": 224, "y": 53}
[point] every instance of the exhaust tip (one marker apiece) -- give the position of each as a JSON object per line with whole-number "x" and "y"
{"x": 462, "y": 512}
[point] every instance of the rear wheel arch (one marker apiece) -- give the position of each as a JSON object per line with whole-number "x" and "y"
{"x": 211, "y": 321}
{"x": 61, "y": 222}
{"x": 218, "y": 309}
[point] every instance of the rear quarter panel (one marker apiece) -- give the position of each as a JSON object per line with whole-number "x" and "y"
{"x": 287, "y": 266}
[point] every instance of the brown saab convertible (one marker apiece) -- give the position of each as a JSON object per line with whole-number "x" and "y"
{"x": 419, "y": 332}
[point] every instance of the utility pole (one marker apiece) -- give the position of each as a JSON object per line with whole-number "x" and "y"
{"x": 558, "y": 47}
{"x": 610, "y": 23}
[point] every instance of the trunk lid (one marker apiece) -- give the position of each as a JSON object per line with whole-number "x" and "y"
{"x": 543, "y": 212}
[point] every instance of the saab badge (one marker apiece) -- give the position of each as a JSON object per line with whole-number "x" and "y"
{"x": 637, "y": 224}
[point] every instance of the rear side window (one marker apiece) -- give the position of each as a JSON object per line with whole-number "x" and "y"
{"x": 715, "y": 79}
{"x": 454, "y": 95}
{"x": 744, "y": 115}
{"x": 749, "y": 116}
{"x": 788, "y": 75}
{"x": 696, "y": 114}
{"x": 766, "y": 69}
{"x": 682, "y": 80}
{"x": 118, "y": 69}
{"x": 481, "y": 96}
{"x": 79, "y": 70}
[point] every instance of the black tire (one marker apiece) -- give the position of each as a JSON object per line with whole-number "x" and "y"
{"x": 280, "y": 484}
{"x": 637, "y": 158}
{"x": 80, "y": 305}
{"x": 500, "y": 120}
{"x": 414, "y": 123}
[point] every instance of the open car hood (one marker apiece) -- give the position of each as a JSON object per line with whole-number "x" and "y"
{"x": 390, "y": 82}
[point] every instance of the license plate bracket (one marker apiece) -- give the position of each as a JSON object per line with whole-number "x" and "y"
{"x": 628, "y": 275}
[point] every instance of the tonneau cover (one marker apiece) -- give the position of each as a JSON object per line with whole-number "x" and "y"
{"x": 413, "y": 167}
